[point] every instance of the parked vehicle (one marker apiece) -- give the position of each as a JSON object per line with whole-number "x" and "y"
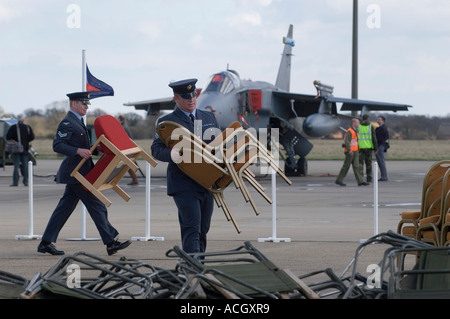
{"x": 6, "y": 158}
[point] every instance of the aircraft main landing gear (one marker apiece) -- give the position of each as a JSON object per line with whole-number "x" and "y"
{"x": 301, "y": 168}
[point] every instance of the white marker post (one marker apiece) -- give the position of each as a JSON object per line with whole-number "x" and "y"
{"x": 30, "y": 205}
{"x": 274, "y": 213}
{"x": 375, "y": 200}
{"x": 147, "y": 236}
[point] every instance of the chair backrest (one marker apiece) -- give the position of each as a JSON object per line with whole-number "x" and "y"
{"x": 445, "y": 234}
{"x": 437, "y": 196}
{"x": 445, "y": 198}
{"x": 436, "y": 171}
{"x": 201, "y": 166}
{"x": 112, "y": 129}
{"x": 432, "y": 201}
{"x": 225, "y": 133}
{"x": 445, "y": 189}
{"x": 174, "y": 134}
{"x": 446, "y": 208}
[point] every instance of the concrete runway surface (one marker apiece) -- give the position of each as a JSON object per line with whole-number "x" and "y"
{"x": 318, "y": 224}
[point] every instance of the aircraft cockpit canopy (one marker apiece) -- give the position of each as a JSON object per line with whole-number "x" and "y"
{"x": 223, "y": 82}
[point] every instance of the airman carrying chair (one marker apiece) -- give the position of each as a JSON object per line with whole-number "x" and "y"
{"x": 218, "y": 164}
{"x": 119, "y": 155}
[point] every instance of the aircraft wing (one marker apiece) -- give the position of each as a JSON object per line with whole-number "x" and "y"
{"x": 153, "y": 106}
{"x": 357, "y": 105}
{"x": 304, "y": 104}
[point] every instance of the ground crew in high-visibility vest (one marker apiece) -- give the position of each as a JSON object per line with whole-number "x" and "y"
{"x": 351, "y": 150}
{"x": 367, "y": 141}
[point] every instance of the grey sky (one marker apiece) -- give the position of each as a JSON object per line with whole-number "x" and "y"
{"x": 139, "y": 46}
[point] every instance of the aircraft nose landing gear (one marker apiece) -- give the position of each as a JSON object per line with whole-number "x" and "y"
{"x": 300, "y": 168}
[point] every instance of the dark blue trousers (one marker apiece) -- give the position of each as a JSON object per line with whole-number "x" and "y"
{"x": 380, "y": 155}
{"x": 67, "y": 204}
{"x": 20, "y": 163}
{"x": 194, "y": 215}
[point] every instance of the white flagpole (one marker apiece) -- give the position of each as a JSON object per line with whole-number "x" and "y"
{"x": 83, "y": 71}
{"x": 83, "y": 209}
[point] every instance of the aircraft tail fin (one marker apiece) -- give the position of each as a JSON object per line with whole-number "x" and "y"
{"x": 284, "y": 72}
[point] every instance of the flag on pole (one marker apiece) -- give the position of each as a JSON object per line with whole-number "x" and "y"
{"x": 96, "y": 87}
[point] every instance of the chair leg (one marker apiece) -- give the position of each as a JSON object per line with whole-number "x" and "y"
{"x": 221, "y": 203}
{"x": 250, "y": 178}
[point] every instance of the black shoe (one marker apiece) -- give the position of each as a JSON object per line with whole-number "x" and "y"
{"x": 363, "y": 184}
{"x": 117, "y": 245}
{"x": 340, "y": 183}
{"x": 50, "y": 248}
{"x": 13, "y": 185}
{"x": 383, "y": 180}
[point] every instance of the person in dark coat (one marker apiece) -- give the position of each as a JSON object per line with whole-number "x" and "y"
{"x": 195, "y": 204}
{"x": 72, "y": 140}
{"x": 382, "y": 133}
{"x": 21, "y": 159}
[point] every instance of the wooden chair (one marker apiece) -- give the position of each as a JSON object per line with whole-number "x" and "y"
{"x": 408, "y": 223}
{"x": 218, "y": 164}
{"x": 431, "y": 207}
{"x": 445, "y": 233}
{"x": 245, "y": 151}
{"x": 202, "y": 166}
{"x": 429, "y": 227}
{"x": 119, "y": 155}
{"x": 239, "y": 150}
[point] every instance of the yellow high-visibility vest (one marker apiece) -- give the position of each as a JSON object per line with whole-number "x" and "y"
{"x": 365, "y": 136}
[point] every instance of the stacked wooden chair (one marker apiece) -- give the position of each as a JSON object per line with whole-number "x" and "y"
{"x": 431, "y": 200}
{"x": 445, "y": 229}
{"x": 224, "y": 161}
{"x": 119, "y": 155}
{"x": 429, "y": 227}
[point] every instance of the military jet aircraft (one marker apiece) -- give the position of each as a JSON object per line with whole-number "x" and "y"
{"x": 260, "y": 104}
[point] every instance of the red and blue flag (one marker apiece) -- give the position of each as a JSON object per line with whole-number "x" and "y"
{"x": 96, "y": 87}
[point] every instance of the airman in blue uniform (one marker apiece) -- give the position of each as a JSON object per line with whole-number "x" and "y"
{"x": 72, "y": 140}
{"x": 195, "y": 204}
